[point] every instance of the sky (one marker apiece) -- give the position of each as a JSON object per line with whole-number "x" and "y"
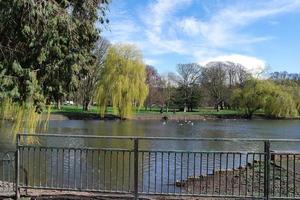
{"x": 259, "y": 34}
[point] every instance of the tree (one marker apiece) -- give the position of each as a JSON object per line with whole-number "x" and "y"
{"x": 122, "y": 80}
{"x": 284, "y": 76}
{"x": 45, "y": 45}
{"x": 214, "y": 81}
{"x": 273, "y": 99}
{"x": 293, "y": 89}
{"x": 236, "y": 74}
{"x": 188, "y": 80}
{"x": 251, "y": 97}
{"x": 220, "y": 79}
{"x": 154, "y": 82}
{"x": 280, "y": 104}
{"x": 91, "y": 76}
{"x": 50, "y": 41}
{"x": 169, "y": 90}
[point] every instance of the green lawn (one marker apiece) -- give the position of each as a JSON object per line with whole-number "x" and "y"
{"x": 72, "y": 109}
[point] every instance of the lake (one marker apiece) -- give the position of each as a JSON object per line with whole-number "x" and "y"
{"x": 153, "y": 166}
{"x": 214, "y": 129}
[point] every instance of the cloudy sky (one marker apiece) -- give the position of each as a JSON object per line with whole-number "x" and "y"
{"x": 255, "y": 33}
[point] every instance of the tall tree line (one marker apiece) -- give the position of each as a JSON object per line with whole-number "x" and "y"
{"x": 194, "y": 85}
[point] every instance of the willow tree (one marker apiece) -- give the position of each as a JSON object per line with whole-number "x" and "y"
{"x": 122, "y": 81}
{"x": 252, "y": 97}
{"x": 280, "y": 104}
{"x": 275, "y": 101}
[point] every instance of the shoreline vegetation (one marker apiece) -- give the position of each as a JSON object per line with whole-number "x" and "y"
{"x": 70, "y": 112}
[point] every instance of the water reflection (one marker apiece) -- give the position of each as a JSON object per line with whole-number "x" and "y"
{"x": 92, "y": 169}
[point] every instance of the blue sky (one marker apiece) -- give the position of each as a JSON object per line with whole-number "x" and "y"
{"x": 260, "y": 34}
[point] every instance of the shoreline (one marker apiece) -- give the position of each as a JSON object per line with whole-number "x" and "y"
{"x": 144, "y": 117}
{"x": 155, "y": 117}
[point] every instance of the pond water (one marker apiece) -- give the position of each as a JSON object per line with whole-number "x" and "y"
{"x": 152, "y": 166}
{"x": 213, "y": 129}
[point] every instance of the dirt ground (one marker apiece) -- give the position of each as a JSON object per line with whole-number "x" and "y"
{"x": 247, "y": 181}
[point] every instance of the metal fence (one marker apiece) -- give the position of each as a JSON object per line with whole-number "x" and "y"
{"x": 138, "y": 170}
{"x": 7, "y": 173}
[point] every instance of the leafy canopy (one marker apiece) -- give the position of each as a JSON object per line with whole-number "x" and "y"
{"x": 122, "y": 80}
{"x": 273, "y": 99}
{"x": 45, "y": 45}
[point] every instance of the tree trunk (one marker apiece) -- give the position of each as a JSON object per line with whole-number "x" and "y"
{"x": 58, "y": 104}
{"x": 221, "y": 105}
{"x": 86, "y": 105}
{"x": 217, "y": 107}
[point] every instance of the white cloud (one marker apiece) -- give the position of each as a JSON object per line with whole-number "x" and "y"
{"x": 223, "y": 29}
{"x": 252, "y": 64}
{"x": 164, "y": 27}
{"x": 190, "y": 26}
{"x": 149, "y": 61}
{"x": 161, "y": 11}
{"x": 160, "y": 27}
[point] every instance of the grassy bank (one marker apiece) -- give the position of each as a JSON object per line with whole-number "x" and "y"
{"x": 76, "y": 112}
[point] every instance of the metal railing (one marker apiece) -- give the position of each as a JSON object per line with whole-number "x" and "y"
{"x": 138, "y": 170}
{"x": 7, "y": 173}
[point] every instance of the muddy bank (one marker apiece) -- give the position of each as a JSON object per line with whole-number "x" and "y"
{"x": 245, "y": 181}
{"x": 81, "y": 116}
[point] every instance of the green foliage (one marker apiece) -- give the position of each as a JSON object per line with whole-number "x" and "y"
{"x": 273, "y": 99}
{"x": 45, "y": 47}
{"x": 122, "y": 81}
{"x": 189, "y": 98}
{"x": 188, "y": 90}
{"x": 23, "y": 118}
{"x": 280, "y": 104}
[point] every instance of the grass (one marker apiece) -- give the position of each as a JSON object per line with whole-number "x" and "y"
{"x": 73, "y": 109}
{"x": 205, "y": 111}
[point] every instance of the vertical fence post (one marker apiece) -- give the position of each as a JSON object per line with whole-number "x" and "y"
{"x": 267, "y": 169}
{"x": 136, "y": 168}
{"x": 17, "y": 168}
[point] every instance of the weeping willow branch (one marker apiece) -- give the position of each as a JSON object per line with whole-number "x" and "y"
{"x": 23, "y": 118}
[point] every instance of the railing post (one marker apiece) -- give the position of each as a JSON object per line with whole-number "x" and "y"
{"x": 17, "y": 168}
{"x": 136, "y": 168}
{"x": 267, "y": 169}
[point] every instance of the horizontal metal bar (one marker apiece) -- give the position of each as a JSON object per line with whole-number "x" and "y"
{"x": 141, "y": 151}
{"x": 201, "y": 195}
{"x": 77, "y": 148}
{"x": 77, "y": 190}
{"x": 161, "y": 138}
{"x": 203, "y": 152}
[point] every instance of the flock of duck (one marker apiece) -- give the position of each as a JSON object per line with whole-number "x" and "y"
{"x": 182, "y": 123}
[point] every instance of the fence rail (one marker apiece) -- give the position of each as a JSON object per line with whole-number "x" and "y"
{"x": 137, "y": 170}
